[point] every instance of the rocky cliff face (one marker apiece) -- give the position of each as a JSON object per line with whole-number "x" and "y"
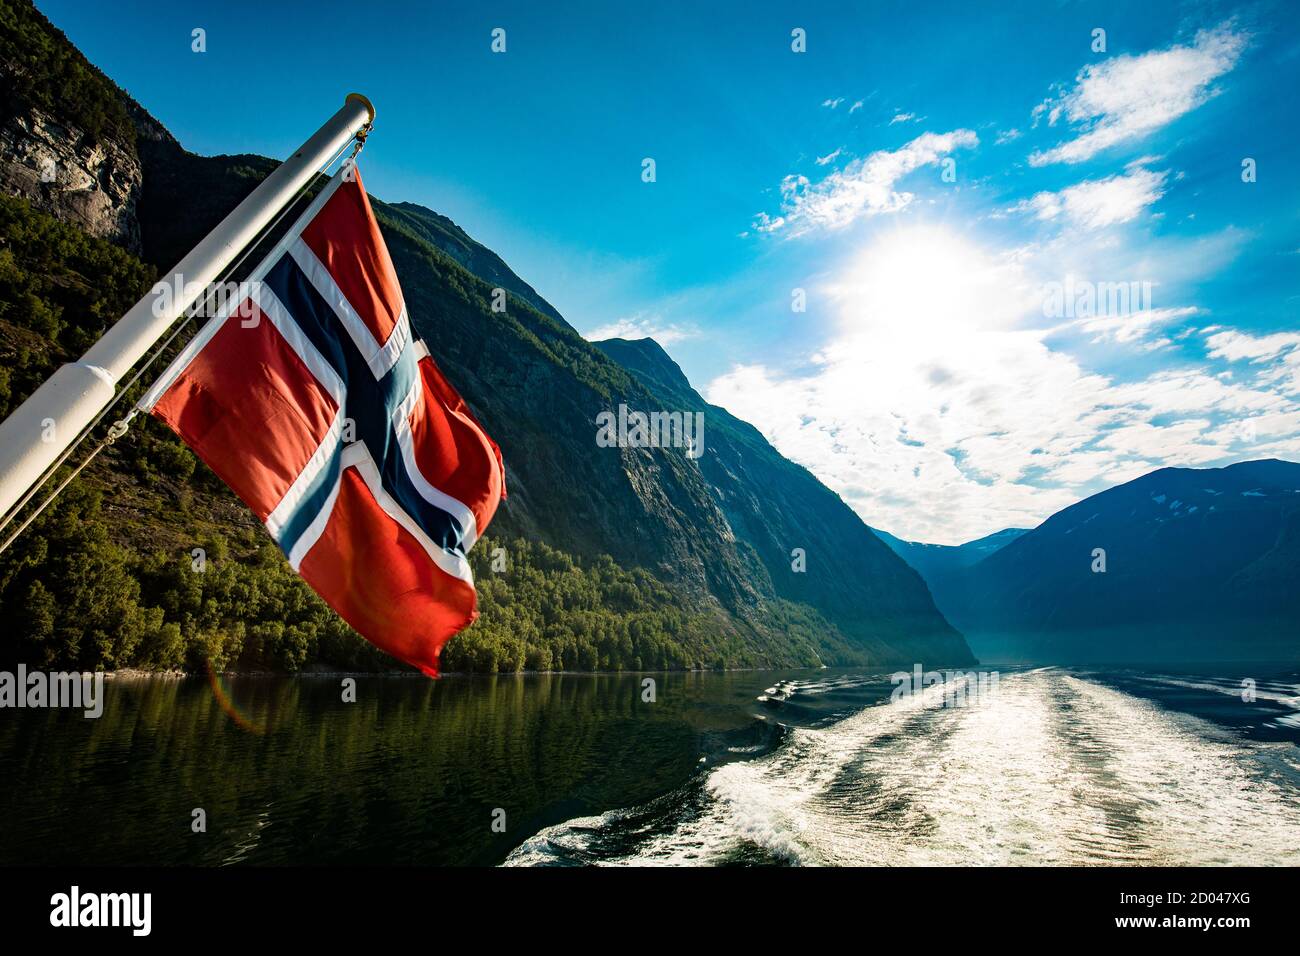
{"x": 68, "y": 135}
{"x": 59, "y": 170}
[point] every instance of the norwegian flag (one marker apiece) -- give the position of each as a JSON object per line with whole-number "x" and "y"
{"x": 313, "y": 402}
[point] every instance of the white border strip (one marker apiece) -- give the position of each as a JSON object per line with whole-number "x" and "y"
{"x": 380, "y": 358}
{"x": 440, "y": 499}
{"x": 297, "y": 340}
{"x": 357, "y": 456}
{"x": 276, "y": 520}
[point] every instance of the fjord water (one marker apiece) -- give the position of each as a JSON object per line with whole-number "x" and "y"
{"x": 1057, "y": 766}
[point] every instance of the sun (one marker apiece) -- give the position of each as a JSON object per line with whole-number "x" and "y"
{"x": 930, "y": 279}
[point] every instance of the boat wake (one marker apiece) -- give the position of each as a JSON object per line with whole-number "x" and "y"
{"x": 1051, "y": 769}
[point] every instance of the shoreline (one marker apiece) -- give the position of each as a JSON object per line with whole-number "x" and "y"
{"x": 133, "y": 673}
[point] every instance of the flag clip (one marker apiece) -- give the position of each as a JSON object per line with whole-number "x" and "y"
{"x": 117, "y": 430}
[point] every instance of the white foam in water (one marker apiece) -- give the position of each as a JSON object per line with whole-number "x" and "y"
{"x": 760, "y": 802}
{"x": 1051, "y": 769}
{"x": 574, "y": 835}
{"x": 1287, "y": 694}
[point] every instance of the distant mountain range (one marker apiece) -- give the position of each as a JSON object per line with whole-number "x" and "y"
{"x": 704, "y": 547}
{"x": 1199, "y": 565}
{"x": 938, "y": 560}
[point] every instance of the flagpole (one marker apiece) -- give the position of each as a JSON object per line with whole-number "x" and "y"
{"x": 37, "y": 432}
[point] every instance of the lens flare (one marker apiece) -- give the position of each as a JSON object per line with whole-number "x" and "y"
{"x": 224, "y": 696}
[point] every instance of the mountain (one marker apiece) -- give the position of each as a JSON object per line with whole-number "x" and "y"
{"x": 935, "y": 560}
{"x": 772, "y": 506}
{"x": 1199, "y": 565}
{"x": 611, "y": 557}
{"x": 442, "y": 233}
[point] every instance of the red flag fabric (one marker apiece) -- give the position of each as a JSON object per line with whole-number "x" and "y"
{"x": 313, "y": 401}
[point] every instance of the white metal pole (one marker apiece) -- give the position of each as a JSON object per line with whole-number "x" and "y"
{"x": 39, "y": 430}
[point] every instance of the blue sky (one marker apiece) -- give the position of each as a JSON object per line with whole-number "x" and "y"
{"x": 932, "y": 177}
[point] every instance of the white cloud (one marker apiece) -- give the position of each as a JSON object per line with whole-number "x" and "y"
{"x": 1193, "y": 390}
{"x": 940, "y": 413}
{"x": 829, "y": 157}
{"x": 1008, "y": 136}
{"x": 1136, "y": 325}
{"x": 1127, "y": 97}
{"x": 1278, "y": 352}
{"x": 832, "y": 104}
{"x": 1097, "y": 203}
{"x": 902, "y": 118}
{"x": 864, "y": 187}
{"x": 857, "y": 105}
{"x": 1233, "y": 345}
{"x": 641, "y": 326}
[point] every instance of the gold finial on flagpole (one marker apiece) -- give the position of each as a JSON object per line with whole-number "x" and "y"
{"x": 370, "y": 107}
